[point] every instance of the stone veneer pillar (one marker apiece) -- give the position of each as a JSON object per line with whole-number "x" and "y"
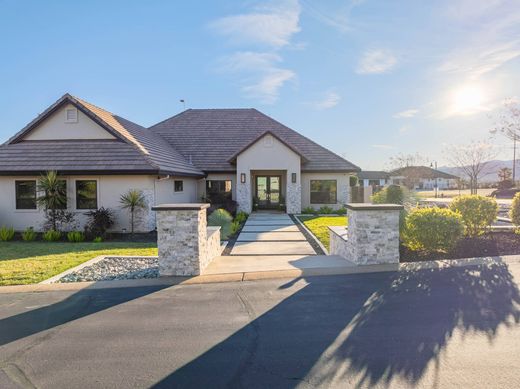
{"x": 373, "y": 233}
{"x": 182, "y": 239}
{"x": 243, "y": 191}
{"x": 293, "y": 198}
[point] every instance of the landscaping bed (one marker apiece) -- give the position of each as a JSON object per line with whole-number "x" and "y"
{"x": 490, "y": 244}
{"x": 32, "y": 262}
{"x": 318, "y": 225}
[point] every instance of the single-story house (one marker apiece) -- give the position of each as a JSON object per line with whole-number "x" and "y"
{"x": 423, "y": 177}
{"x": 240, "y": 154}
{"x": 372, "y": 178}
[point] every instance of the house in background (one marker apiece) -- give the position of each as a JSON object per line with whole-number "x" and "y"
{"x": 240, "y": 154}
{"x": 423, "y": 177}
{"x": 373, "y": 178}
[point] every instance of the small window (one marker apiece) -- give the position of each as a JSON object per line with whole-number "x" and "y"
{"x": 218, "y": 191}
{"x": 323, "y": 191}
{"x": 86, "y": 194}
{"x": 25, "y": 194}
{"x": 71, "y": 115}
{"x": 178, "y": 186}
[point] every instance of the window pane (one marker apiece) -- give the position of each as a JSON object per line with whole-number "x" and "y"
{"x": 178, "y": 186}
{"x": 86, "y": 194}
{"x": 323, "y": 191}
{"x": 218, "y": 191}
{"x": 25, "y": 194}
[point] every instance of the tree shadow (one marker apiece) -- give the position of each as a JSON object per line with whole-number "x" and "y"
{"x": 357, "y": 330}
{"x": 83, "y": 303}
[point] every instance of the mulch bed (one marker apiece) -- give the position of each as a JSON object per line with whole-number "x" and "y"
{"x": 491, "y": 244}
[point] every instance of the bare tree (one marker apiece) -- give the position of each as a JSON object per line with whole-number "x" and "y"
{"x": 508, "y": 125}
{"x": 471, "y": 160}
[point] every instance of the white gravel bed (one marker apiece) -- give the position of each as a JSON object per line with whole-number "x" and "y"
{"x": 116, "y": 268}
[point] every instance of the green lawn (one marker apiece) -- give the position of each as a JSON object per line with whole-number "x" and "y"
{"x": 32, "y": 262}
{"x": 318, "y": 225}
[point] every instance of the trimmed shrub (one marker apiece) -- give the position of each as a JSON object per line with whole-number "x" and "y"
{"x": 325, "y": 210}
{"x": 342, "y": 211}
{"x": 309, "y": 211}
{"x": 51, "y": 236}
{"x": 392, "y": 194}
{"x": 432, "y": 229}
{"x": 222, "y": 218}
{"x": 97, "y": 239}
{"x": 29, "y": 234}
{"x": 477, "y": 212}
{"x": 235, "y": 225}
{"x": 514, "y": 213}
{"x": 6, "y": 234}
{"x": 75, "y": 236}
{"x": 241, "y": 217}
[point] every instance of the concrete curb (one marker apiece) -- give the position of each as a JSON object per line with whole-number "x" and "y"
{"x": 311, "y": 234}
{"x": 263, "y": 275}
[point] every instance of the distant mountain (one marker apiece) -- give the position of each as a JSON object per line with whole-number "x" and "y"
{"x": 490, "y": 173}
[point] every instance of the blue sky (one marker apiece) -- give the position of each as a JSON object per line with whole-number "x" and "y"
{"x": 367, "y": 79}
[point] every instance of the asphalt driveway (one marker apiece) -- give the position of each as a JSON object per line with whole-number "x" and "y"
{"x": 454, "y": 327}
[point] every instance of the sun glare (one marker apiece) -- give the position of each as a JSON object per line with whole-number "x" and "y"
{"x": 467, "y": 99}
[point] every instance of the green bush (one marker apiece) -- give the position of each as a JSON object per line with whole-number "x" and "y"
{"x": 51, "y": 236}
{"x": 432, "y": 229}
{"x": 477, "y": 212}
{"x": 97, "y": 239}
{"x": 515, "y": 210}
{"x": 241, "y": 217}
{"x": 392, "y": 194}
{"x": 235, "y": 225}
{"x": 75, "y": 236}
{"x": 309, "y": 211}
{"x": 29, "y": 234}
{"x": 353, "y": 180}
{"x": 342, "y": 211}
{"x": 325, "y": 210}
{"x": 6, "y": 234}
{"x": 221, "y": 217}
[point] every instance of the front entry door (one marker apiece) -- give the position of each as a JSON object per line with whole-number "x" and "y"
{"x": 268, "y": 191}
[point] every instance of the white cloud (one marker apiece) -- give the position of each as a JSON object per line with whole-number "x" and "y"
{"x": 259, "y": 74}
{"x": 272, "y": 25}
{"x": 409, "y": 113}
{"x": 330, "y": 100}
{"x": 376, "y": 62}
{"x": 404, "y": 130}
{"x": 383, "y": 147}
{"x": 339, "y": 19}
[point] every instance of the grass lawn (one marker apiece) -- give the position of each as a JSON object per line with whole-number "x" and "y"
{"x": 32, "y": 262}
{"x": 318, "y": 225}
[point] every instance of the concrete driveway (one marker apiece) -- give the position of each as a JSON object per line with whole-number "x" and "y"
{"x": 454, "y": 327}
{"x": 271, "y": 234}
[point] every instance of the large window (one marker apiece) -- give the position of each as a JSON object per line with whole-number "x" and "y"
{"x": 86, "y": 194}
{"x": 218, "y": 191}
{"x": 25, "y": 194}
{"x": 323, "y": 191}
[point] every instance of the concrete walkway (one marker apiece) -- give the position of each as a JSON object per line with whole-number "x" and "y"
{"x": 269, "y": 234}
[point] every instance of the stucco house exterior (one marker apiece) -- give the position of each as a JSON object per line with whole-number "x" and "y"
{"x": 423, "y": 177}
{"x": 373, "y": 178}
{"x": 241, "y": 154}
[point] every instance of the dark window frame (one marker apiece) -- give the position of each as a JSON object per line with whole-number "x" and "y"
{"x": 218, "y": 194}
{"x": 175, "y": 188}
{"x": 324, "y": 196}
{"x": 17, "y": 199}
{"x": 79, "y": 199}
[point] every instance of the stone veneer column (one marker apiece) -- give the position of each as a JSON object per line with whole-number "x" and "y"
{"x": 244, "y": 195}
{"x": 293, "y": 200}
{"x": 373, "y": 233}
{"x": 182, "y": 239}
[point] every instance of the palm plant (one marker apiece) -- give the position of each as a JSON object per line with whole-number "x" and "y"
{"x": 132, "y": 201}
{"x": 53, "y": 195}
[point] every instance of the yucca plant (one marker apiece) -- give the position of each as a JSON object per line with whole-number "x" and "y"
{"x": 221, "y": 218}
{"x": 75, "y": 236}
{"x": 6, "y": 234}
{"x": 29, "y": 234}
{"x": 53, "y": 197}
{"x": 132, "y": 201}
{"x": 51, "y": 236}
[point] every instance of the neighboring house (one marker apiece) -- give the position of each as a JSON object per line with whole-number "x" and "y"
{"x": 423, "y": 177}
{"x": 372, "y": 178}
{"x": 200, "y": 153}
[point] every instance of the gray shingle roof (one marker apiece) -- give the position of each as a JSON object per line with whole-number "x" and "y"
{"x": 421, "y": 172}
{"x": 372, "y": 175}
{"x": 136, "y": 148}
{"x": 211, "y": 137}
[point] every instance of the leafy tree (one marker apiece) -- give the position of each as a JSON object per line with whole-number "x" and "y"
{"x": 132, "y": 201}
{"x": 53, "y": 196}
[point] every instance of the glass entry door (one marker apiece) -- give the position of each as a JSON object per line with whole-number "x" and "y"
{"x": 268, "y": 191}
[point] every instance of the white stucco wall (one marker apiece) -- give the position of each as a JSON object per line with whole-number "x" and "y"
{"x": 268, "y": 153}
{"x": 343, "y": 188}
{"x": 56, "y": 128}
{"x": 110, "y": 189}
